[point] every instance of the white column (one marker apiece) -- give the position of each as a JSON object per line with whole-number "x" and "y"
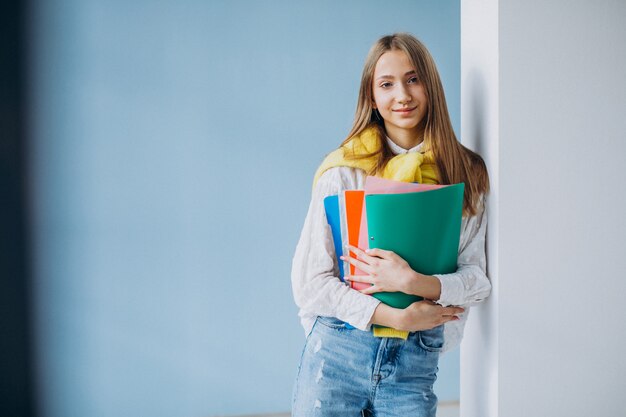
{"x": 479, "y": 131}
{"x": 543, "y": 100}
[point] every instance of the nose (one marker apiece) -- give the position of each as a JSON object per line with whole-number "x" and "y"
{"x": 404, "y": 96}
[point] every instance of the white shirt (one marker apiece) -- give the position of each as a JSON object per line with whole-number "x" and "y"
{"x": 316, "y": 286}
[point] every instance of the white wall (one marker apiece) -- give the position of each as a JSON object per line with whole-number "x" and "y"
{"x": 561, "y": 151}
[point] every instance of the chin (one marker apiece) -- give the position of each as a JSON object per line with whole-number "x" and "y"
{"x": 407, "y": 126}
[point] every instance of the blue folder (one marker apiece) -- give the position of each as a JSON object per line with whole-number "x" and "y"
{"x": 331, "y": 206}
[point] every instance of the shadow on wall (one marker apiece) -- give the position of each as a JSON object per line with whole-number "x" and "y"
{"x": 477, "y": 91}
{"x": 482, "y": 323}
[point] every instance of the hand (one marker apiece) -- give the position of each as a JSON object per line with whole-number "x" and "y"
{"x": 424, "y": 315}
{"x": 386, "y": 270}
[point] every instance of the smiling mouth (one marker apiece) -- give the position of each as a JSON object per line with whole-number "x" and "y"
{"x": 408, "y": 110}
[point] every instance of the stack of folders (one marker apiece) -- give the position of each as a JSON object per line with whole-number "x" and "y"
{"x": 419, "y": 222}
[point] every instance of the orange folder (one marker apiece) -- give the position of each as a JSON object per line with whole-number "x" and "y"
{"x": 354, "y": 210}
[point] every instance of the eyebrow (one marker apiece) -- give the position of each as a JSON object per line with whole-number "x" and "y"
{"x": 386, "y": 77}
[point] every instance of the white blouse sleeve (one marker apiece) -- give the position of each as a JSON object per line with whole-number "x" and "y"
{"x": 316, "y": 286}
{"x": 469, "y": 285}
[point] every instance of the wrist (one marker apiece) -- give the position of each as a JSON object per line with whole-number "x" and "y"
{"x": 401, "y": 320}
{"x": 388, "y": 316}
{"x": 426, "y": 286}
{"x": 413, "y": 284}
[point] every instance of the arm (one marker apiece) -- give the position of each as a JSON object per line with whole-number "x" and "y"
{"x": 422, "y": 315}
{"x": 389, "y": 272}
{"x": 468, "y": 285}
{"x": 316, "y": 287}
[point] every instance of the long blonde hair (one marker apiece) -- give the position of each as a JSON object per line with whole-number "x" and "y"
{"x": 455, "y": 162}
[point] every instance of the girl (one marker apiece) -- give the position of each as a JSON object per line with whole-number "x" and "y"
{"x": 402, "y": 131}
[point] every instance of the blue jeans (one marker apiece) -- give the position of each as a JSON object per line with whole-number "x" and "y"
{"x": 344, "y": 371}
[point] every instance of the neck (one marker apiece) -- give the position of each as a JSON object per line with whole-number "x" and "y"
{"x": 406, "y": 139}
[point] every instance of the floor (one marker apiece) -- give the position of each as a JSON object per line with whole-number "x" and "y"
{"x": 446, "y": 409}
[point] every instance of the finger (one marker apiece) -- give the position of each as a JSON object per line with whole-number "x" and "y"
{"x": 447, "y": 319}
{"x": 355, "y": 249}
{"x": 381, "y": 253}
{"x": 451, "y": 311}
{"x": 357, "y": 263}
{"x": 362, "y": 254}
{"x": 361, "y": 278}
{"x": 371, "y": 290}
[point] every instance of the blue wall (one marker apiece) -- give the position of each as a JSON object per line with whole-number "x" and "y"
{"x": 174, "y": 148}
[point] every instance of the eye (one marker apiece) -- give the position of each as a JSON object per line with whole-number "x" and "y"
{"x": 386, "y": 84}
{"x": 413, "y": 80}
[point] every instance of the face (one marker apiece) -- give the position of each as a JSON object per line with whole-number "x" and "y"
{"x": 399, "y": 97}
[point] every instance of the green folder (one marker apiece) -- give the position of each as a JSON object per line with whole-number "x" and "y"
{"x": 424, "y": 228}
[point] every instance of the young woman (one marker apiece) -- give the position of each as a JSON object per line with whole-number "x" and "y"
{"x": 402, "y": 131}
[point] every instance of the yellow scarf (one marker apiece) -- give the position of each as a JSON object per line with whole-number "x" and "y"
{"x": 407, "y": 167}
